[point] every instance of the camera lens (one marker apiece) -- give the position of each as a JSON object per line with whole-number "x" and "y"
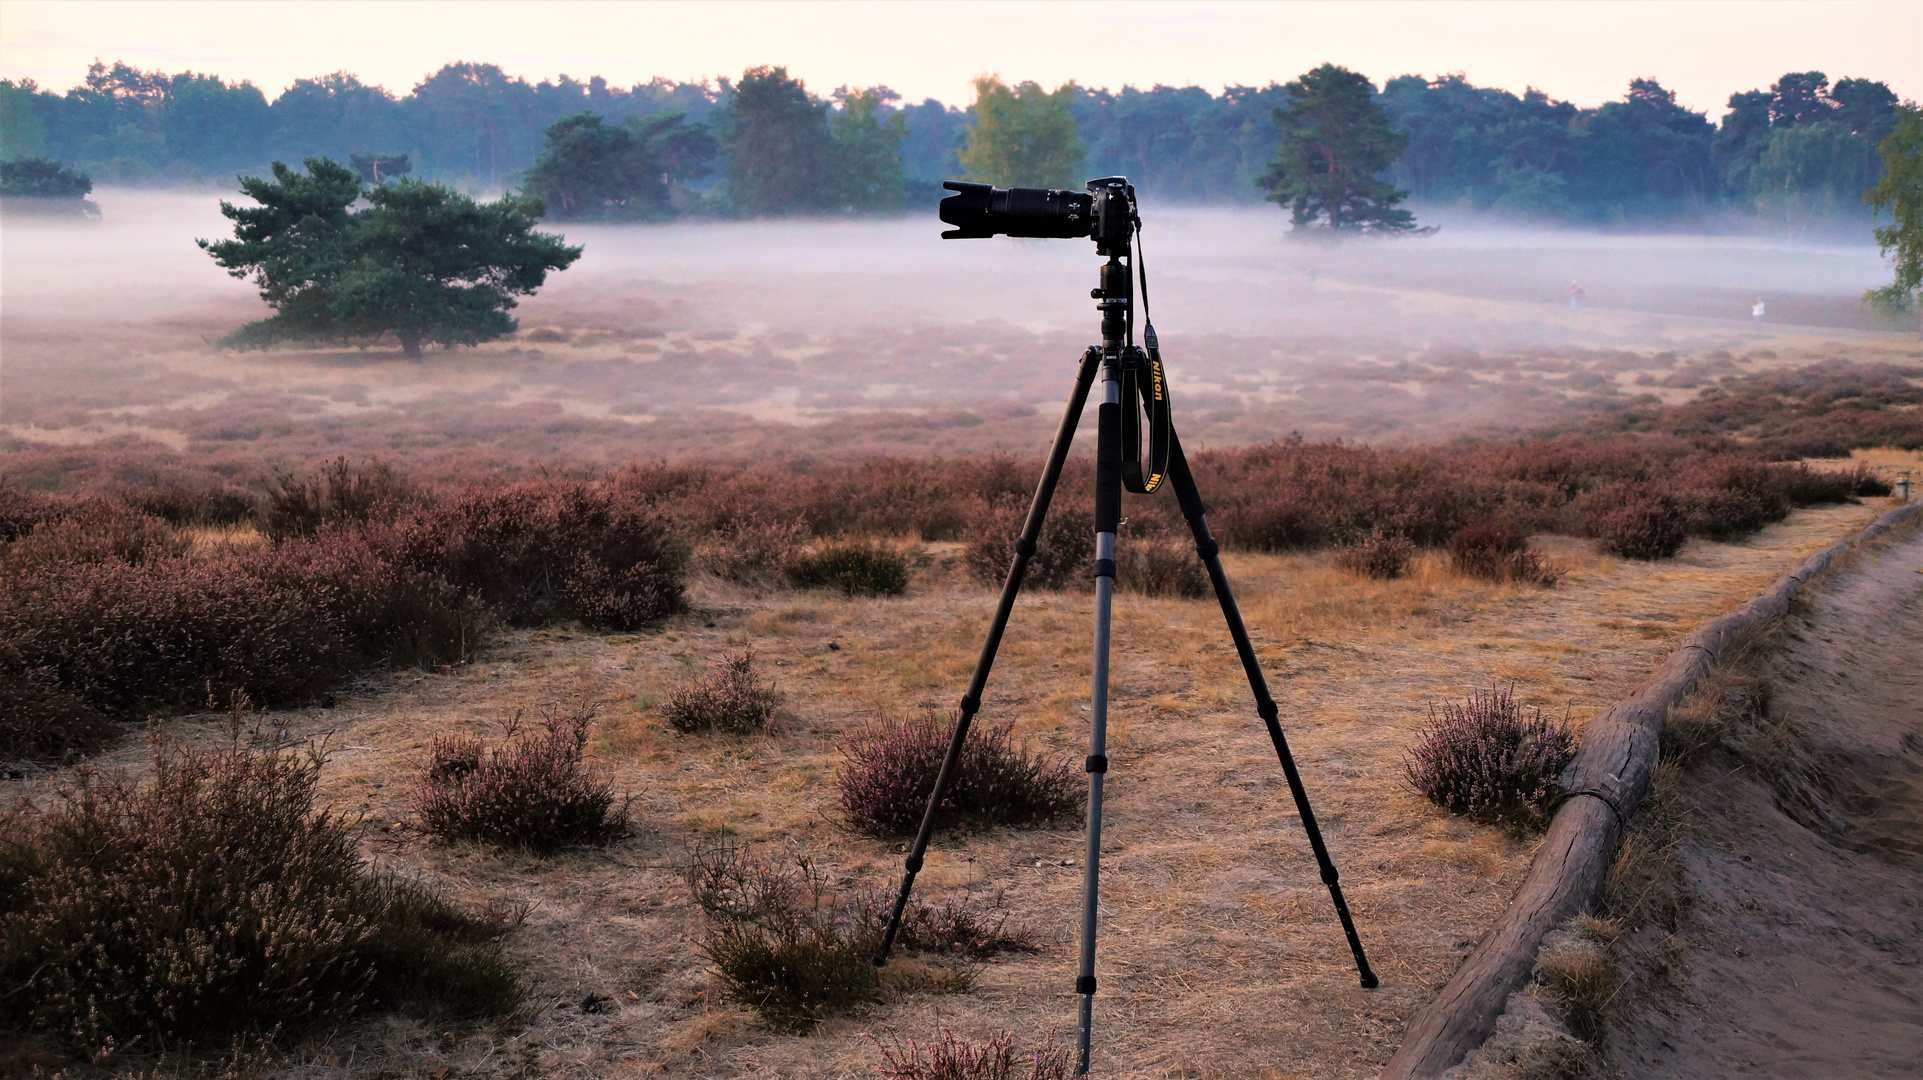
{"x": 979, "y": 210}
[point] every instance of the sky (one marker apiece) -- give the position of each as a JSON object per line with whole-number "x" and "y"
{"x": 1582, "y": 51}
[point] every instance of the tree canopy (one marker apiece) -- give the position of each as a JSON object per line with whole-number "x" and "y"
{"x": 51, "y": 188}
{"x": 590, "y": 170}
{"x": 1024, "y": 136}
{"x": 779, "y": 147}
{"x": 1900, "y": 194}
{"x": 421, "y": 261}
{"x": 1336, "y": 140}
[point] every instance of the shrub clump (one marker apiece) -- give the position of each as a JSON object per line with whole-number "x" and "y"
{"x": 1485, "y": 550}
{"x": 949, "y": 924}
{"x": 1489, "y": 760}
{"x": 534, "y": 791}
{"x": 858, "y": 569}
{"x": 1063, "y": 553}
{"x": 889, "y": 767}
{"x": 1645, "y": 527}
{"x": 1158, "y": 563}
{"x": 1379, "y": 555}
{"x": 781, "y": 945}
{"x": 751, "y": 551}
{"x": 951, "y": 1057}
{"x": 729, "y": 698}
{"x": 214, "y": 902}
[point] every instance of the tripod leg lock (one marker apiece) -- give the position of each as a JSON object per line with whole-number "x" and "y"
{"x": 1267, "y": 710}
{"x": 913, "y": 864}
{"x": 1096, "y": 763}
{"x": 1085, "y": 984}
{"x": 1208, "y": 549}
{"x": 1104, "y": 568}
{"x": 1024, "y": 546}
{"x": 1329, "y": 876}
{"x": 970, "y": 704}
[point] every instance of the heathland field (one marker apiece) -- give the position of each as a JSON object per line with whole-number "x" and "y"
{"x": 806, "y": 445}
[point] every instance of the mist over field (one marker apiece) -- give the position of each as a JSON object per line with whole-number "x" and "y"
{"x": 873, "y": 335}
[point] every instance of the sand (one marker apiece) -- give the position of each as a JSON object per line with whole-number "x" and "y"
{"x": 1805, "y": 946}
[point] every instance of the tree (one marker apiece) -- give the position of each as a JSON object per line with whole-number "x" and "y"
{"x": 591, "y": 170}
{"x": 380, "y": 168}
{"x": 1740, "y": 139}
{"x": 424, "y": 262}
{"x": 868, "y": 149}
{"x": 1335, "y": 142}
{"x": 1800, "y": 97}
{"x": 1807, "y": 172}
{"x": 22, "y": 133}
{"x": 1900, "y": 192}
{"x": 1023, "y": 137}
{"x": 780, "y": 153}
{"x": 53, "y": 187}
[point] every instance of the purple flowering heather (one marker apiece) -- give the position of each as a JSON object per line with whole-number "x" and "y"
{"x": 1488, "y": 760}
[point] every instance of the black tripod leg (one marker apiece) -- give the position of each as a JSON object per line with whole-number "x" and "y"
{"x": 972, "y": 700}
{"x": 1209, "y": 550}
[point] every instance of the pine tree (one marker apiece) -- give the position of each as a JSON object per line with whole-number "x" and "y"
{"x": 780, "y": 155}
{"x": 1335, "y": 141}
{"x": 423, "y": 261}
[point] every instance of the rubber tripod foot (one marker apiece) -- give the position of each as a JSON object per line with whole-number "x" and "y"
{"x": 1369, "y": 981}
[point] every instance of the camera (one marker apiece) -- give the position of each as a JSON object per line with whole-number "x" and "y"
{"x": 1105, "y": 212}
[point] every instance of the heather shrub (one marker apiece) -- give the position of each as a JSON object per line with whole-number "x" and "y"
{"x": 1157, "y": 563}
{"x": 1487, "y": 759}
{"x": 1804, "y": 486}
{"x": 949, "y": 924}
{"x": 888, "y": 771}
{"x": 180, "y": 503}
{"x": 90, "y": 532}
{"x": 1379, "y": 555}
{"x": 544, "y": 549}
{"x": 532, "y": 791}
{"x": 728, "y": 698}
{"x": 780, "y": 943}
{"x": 951, "y": 1057}
{"x": 1644, "y": 527}
{"x": 856, "y": 568}
{"x": 299, "y": 505}
{"x": 750, "y": 552}
{"x": 214, "y": 901}
{"x": 1483, "y": 549}
{"x": 1064, "y": 554}
{"x": 21, "y": 511}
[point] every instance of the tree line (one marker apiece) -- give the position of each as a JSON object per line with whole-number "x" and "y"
{"x": 1794, "y": 154}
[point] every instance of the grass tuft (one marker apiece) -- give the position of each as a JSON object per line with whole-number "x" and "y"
{"x": 950, "y": 1057}
{"x": 533, "y": 791}
{"x": 889, "y": 768}
{"x": 856, "y": 568}
{"x": 728, "y": 698}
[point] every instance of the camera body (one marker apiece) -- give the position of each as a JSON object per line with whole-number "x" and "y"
{"x": 1104, "y": 213}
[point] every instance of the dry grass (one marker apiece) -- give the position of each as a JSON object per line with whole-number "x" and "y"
{"x": 1220, "y": 956}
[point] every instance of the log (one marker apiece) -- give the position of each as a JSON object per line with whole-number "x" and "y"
{"x": 1605, "y": 784}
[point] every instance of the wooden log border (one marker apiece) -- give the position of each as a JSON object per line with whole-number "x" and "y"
{"x": 1606, "y": 782}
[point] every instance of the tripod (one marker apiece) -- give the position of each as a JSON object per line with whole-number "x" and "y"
{"x": 1116, "y": 358}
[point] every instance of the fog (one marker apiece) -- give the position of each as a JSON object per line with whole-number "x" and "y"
{"x": 875, "y": 335}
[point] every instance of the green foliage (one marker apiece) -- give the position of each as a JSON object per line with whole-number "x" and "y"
{"x": 423, "y": 261}
{"x": 380, "y": 168}
{"x": 1023, "y": 137}
{"x": 42, "y": 178}
{"x": 1900, "y": 193}
{"x": 22, "y": 133}
{"x": 1335, "y": 141}
{"x": 780, "y": 152}
{"x": 868, "y": 151}
{"x": 1808, "y": 172}
{"x": 215, "y": 901}
{"x": 590, "y": 170}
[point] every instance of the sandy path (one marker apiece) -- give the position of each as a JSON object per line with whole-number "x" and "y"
{"x": 1805, "y": 952}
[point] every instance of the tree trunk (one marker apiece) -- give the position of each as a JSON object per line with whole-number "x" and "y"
{"x": 411, "y": 346}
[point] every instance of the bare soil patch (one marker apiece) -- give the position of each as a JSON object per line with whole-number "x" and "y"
{"x": 1804, "y": 944}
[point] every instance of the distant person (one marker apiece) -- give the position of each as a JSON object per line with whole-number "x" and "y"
{"x": 1757, "y": 311}
{"x": 1575, "y": 296}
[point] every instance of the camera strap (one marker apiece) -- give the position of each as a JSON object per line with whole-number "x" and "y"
{"x": 1144, "y": 390}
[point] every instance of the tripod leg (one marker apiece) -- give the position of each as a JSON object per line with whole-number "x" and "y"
{"x": 972, "y": 700}
{"x": 1108, "y": 518}
{"x": 1208, "y": 549}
